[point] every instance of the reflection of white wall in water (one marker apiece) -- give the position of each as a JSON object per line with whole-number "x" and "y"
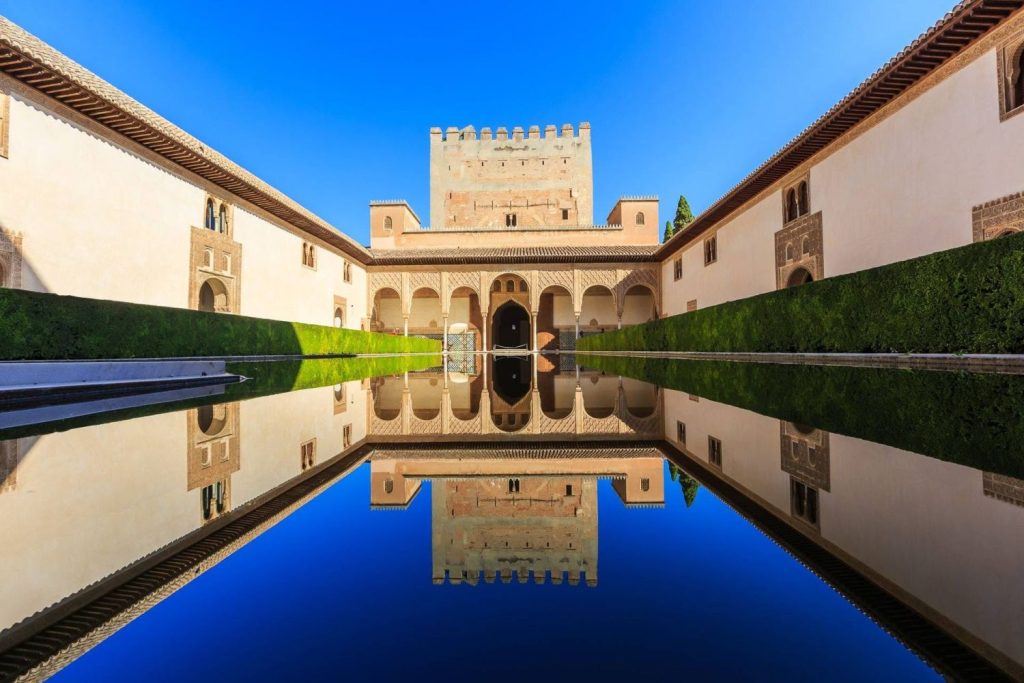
{"x": 92, "y": 500}
{"x": 888, "y": 509}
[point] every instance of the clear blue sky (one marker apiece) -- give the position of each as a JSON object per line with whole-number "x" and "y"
{"x": 332, "y": 104}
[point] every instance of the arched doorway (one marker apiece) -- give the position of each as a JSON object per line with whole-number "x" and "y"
{"x": 597, "y": 310}
{"x": 555, "y": 318}
{"x": 800, "y": 276}
{"x": 638, "y": 305}
{"x": 425, "y": 317}
{"x": 510, "y": 327}
{"x": 213, "y": 297}
{"x": 386, "y": 315}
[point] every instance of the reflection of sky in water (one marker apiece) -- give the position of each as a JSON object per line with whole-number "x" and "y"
{"x": 337, "y": 591}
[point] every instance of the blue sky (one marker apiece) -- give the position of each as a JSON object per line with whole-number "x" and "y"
{"x": 332, "y": 103}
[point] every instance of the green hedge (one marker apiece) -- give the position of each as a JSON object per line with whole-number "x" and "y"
{"x": 36, "y": 326}
{"x": 964, "y": 300}
{"x": 971, "y": 419}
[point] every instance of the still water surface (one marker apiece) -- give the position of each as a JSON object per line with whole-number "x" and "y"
{"x": 522, "y": 518}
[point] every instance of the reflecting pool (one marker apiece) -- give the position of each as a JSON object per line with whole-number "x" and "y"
{"x": 523, "y": 517}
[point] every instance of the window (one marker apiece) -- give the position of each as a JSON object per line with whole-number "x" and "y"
{"x": 1011, "y": 78}
{"x": 681, "y": 432}
{"x": 522, "y": 285}
{"x": 510, "y": 286}
{"x": 389, "y": 485}
{"x": 639, "y": 217}
{"x": 210, "y": 222}
{"x": 796, "y": 201}
{"x": 565, "y": 214}
{"x": 497, "y": 286}
{"x": 510, "y": 220}
{"x": 346, "y": 436}
{"x": 806, "y": 247}
{"x": 222, "y": 219}
{"x": 691, "y": 305}
{"x": 513, "y": 486}
{"x": 346, "y": 271}
{"x": 803, "y": 502}
{"x": 307, "y": 452}
{"x": 339, "y": 317}
{"x": 677, "y": 269}
{"x": 568, "y": 489}
{"x": 308, "y": 255}
{"x": 5, "y": 126}
{"x": 789, "y": 251}
{"x": 790, "y": 205}
{"x": 388, "y": 223}
{"x": 715, "y": 452}
{"x": 645, "y": 484}
{"x": 710, "y": 250}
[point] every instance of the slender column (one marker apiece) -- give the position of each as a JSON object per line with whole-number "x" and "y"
{"x": 577, "y": 326}
{"x": 534, "y": 346}
{"x": 487, "y": 324}
{"x": 405, "y": 324}
{"x": 444, "y": 342}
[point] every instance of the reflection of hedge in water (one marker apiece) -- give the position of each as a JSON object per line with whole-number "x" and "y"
{"x": 273, "y": 377}
{"x": 39, "y": 326}
{"x": 970, "y": 419}
{"x": 964, "y": 300}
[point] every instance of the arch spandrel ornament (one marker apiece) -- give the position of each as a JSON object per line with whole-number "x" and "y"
{"x": 644, "y": 277}
{"x": 555, "y": 278}
{"x": 601, "y": 278}
{"x": 383, "y": 280}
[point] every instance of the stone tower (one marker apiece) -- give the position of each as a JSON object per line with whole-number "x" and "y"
{"x": 520, "y": 180}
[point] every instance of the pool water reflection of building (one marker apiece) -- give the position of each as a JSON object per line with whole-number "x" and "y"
{"x": 514, "y": 452}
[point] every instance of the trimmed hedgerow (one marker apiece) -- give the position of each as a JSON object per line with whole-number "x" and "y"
{"x": 36, "y": 326}
{"x": 964, "y": 300}
{"x": 972, "y": 419}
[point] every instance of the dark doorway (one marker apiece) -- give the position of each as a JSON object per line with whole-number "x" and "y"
{"x": 800, "y": 276}
{"x": 511, "y": 327}
{"x": 512, "y": 378}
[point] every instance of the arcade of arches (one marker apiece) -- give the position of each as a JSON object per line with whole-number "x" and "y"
{"x": 526, "y": 309}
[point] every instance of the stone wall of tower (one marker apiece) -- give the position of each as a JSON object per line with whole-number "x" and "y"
{"x": 543, "y": 179}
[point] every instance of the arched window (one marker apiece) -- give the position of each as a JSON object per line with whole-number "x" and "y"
{"x": 522, "y": 285}
{"x": 639, "y": 217}
{"x": 789, "y": 251}
{"x": 211, "y": 219}
{"x": 339, "y": 317}
{"x": 222, "y": 219}
{"x": 389, "y": 485}
{"x": 803, "y": 200}
{"x": 387, "y": 223}
{"x": 1018, "y": 84}
{"x": 806, "y": 247}
{"x": 791, "y": 206}
{"x": 645, "y": 484}
{"x": 510, "y": 286}
{"x": 497, "y": 286}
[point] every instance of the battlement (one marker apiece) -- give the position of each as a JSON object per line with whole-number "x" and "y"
{"x": 454, "y": 134}
{"x": 638, "y": 198}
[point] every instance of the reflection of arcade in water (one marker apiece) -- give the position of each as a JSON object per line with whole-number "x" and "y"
{"x": 528, "y": 511}
{"x": 521, "y": 395}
